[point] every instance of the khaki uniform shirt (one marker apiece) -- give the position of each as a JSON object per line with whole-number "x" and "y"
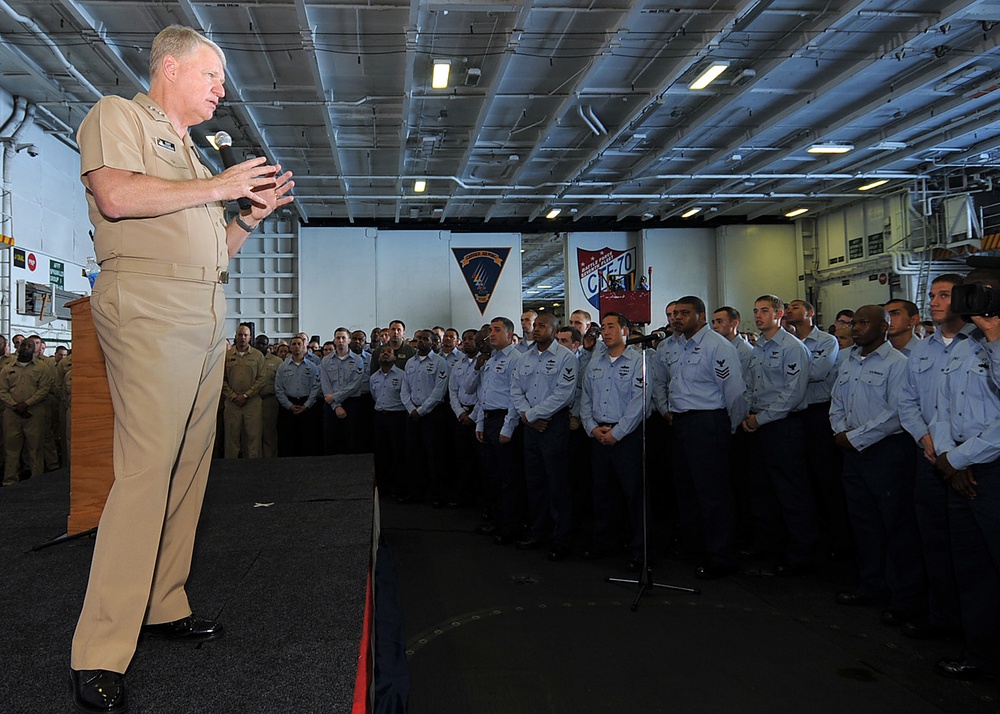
{"x": 135, "y": 135}
{"x": 271, "y": 364}
{"x": 28, "y": 382}
{"x": 245, "y": 373}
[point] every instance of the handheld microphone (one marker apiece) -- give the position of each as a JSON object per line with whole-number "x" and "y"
{"x": 647, "y": 339}
{"x": 225, "y": 144}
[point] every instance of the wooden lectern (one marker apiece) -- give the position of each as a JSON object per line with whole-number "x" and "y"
{"x": 92, "y": 425}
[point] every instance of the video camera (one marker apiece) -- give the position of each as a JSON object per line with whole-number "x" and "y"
{"x": 975, "y": 299}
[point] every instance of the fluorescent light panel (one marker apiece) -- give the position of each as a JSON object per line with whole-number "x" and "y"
{"x": 439, "y": 77}
{"x": 873, "y": 184}
{"x": 690, "y": 212}
{"x": 419, "y": 186}
{"x": 553, "y": 213}
{"x": 709, "y": 75}
{"x": 796, "y": 212}
{"x": 830, "y": 147}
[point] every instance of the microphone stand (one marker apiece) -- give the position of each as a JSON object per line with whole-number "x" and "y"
{"x": 645, "y": 580}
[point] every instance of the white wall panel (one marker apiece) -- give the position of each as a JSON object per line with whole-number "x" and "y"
{"x": 684, "y": 262}
{"x": 756, "y": 260}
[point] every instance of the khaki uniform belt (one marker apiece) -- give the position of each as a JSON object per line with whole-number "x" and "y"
{"x": 179, "y": 271}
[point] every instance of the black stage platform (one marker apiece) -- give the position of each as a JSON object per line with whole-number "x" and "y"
{"x": 281, "y": 558}
{"x": 494, "y": 630}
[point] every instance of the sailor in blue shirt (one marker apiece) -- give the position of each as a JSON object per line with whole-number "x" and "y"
{"x": 388, "y": 424}
{"x": 363, "y": 403}
{"x": 726, "y": 322}
{"x": 780, "y": 381}
{"x": 462, "y": 481}
{"x": 917, "y": 405}
{"x": 297, "y": 389}
{"x": 878, "y": 477}
{"x": 706, "y": 405}
{"x": 424, "y": 394}
{"x": 904, "y": 316}
{"x": 497, "y": 429}
{"x": 581, "y": 479}
{"x": 543, "y": 387}
{"x": 341, "y": 375}
{"x": 823, "y": 458}
{"x": 966, "y": 435}
{"x": 611, "y": 410}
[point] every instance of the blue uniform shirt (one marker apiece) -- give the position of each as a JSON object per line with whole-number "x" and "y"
{"x": 824, "y": 349}
{"x": 425, "y": 383}
{"x": 780, "y": 376}
{"x": 366, "y": 357}
{"x": 458, "y": 397}
{"x": 966, "y": 424}
{"x": 386, "y": 388}
{"x": 924, "y": 372}
{"x": 341, "y": 377}
{"x": 296, "y": 380}
{"x": 704, "y": 373}
{"x": 613, "y": 393}
{"x": 865, "y": 398}
{"x": 492, "y": 382}
{"x": 544, "y": 382}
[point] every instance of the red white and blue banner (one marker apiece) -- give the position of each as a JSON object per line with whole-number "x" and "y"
{"x": 596, "y": 267}
{"x": 481, "y": 268}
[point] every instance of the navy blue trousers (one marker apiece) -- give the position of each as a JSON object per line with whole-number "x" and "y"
{"x": 546, "y": 475}
{"x": 878, "y": 484}
{"x": 701, "y": 467}
{"x": 975, "y": 547}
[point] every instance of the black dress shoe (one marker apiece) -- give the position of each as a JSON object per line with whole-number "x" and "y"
{"x": 713, "y": 571}
{"x": 98, "y": 690}
{"x": 752, "y": 553}
{"x": 840, "y": 555}
{"x": 187, "y": 629}
{"x": 923, "y": 630}
{"x": 558, "y": 552}
{"x": 634, "y": 565}
{"x": 960, "y": 669}
{"x": 501, "y": 539}
{"x": 529, "y": 543}
{"x": 793, "y": 570}
{"x": 852, "y": 598}
{"x": 897, "y": 616}
{"x": 486, "y": 529}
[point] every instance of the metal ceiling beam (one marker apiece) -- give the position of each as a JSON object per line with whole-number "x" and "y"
{"x": 307, "y": 37}
{"x": 564, "y": 105}
{"x": 412, "y": 45}
{"x": 846, "y": 73}
{"x": 491, "y": 94}
{"x": 246, "y": 117}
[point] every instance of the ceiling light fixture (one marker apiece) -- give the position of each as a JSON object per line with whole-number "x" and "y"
{"x": 796, "y": 212}
{"x": 830, "y": 147}
{"x": 553, "y": 213}
{"x": 690, "y": 212}
{"x": 439, "y": 76}
{"x": 710, "y": 74}
{"x": 873, "y": 184}
{"x": 544, "y": 287}
{"x": 419, "y": 186}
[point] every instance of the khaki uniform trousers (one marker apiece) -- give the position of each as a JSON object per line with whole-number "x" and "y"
{"x": 164, "y": 348}
{"x": 243, "y": 426}
{"x": 269, "y": 426}
{"x": 27, "y": 434}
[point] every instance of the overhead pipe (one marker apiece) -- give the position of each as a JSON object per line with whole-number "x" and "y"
{"x": 596, "y": 122}
{"x": 39, "y": 34}
{"x": 586, "y": 120}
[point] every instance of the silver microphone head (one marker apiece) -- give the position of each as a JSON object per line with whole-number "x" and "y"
{"x": 222, "y": 138}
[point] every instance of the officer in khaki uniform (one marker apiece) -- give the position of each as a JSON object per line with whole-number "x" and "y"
{"x": 163, "y": 242}
{"x": 25, "y": 384}
{"x": 268, "y": 401}
{"x": 244, "y": 378}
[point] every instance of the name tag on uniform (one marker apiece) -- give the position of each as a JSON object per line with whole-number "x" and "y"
{"x": 164, "y": 144}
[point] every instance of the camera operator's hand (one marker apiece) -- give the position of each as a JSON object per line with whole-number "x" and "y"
{"x": 990, "y": 327}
